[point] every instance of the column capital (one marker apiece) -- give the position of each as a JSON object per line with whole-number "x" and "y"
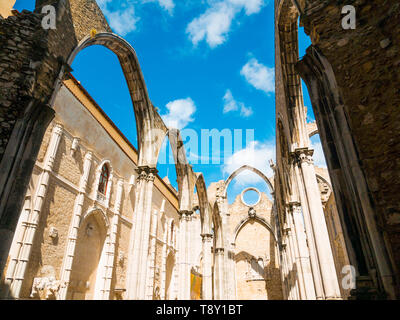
{"x": 185, "y": 213}
{"x": 58, "y": 128}
{"x": 303, "y": 155}
{"x": 219, "y": 251}
{"x": 146, "y": 173}
{"x": 293, "y": 206}
{"x": 207, "y": 236}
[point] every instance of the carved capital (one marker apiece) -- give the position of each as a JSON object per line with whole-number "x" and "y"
{"x": 146, "y": 173}
{"x": 304, "y": 155}
{"x": 294, "y": 207}
{"x": 207, "y": 237}
{"x": 219, "y": 251}
{"x": 186, "y": 215}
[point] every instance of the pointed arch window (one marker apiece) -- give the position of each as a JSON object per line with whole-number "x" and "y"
{"x": 103, "y": 181}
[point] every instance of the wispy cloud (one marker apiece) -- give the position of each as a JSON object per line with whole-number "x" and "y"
{"x": 122, "y": 14}
{"x": 179, "y": 113}
{"x": 121, "y": 17}
{"x": 230, "y": 104}
{"x": 167, "y": 5}
{"x": 215, "y": 23}
{"x": 257, "y": 155}
{"x": 259, "y": 76}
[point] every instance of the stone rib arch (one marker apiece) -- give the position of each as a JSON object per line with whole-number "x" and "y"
{"x": 244, "y": 168}
{"x": 182, "y": 166}
{"x": 261, "y": 220}
{"x": 205, "y": 216}
{"x": 218, "y": 227}
{"x": 149, "y": 125}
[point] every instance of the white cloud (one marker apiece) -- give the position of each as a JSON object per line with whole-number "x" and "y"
{"x": 215, "y": 23}
{"x": 259, "y": 76}
{"x": 257, "y": 155}
{"x": 230, "y": 104}
{"x": 180, "y": 113}
{"x": 318, "y": 156}
{"x": 167, "y": 5}
{"x": 121, "y": 14}
{"x": 123, "y": 20}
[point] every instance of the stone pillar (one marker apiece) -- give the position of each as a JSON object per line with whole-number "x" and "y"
{"x": 139, "y": 243}
{"x": 285, "y": 272}
{"x": 16, "y": 247}
{"x": 74, "y": 228}
{"x": 33, "y": 221}
{"x": 315, "y": 269}
{"x": 184, "y": 254}
{"x": 219, "y": 274}
{"x": 322, "y": 243}
{"x": 303, "y": 257}
{"x": 110, "y": 254}
{"x": 293, "y": 279}
{"x": 164, "y": 260}
{"x": 152, "y": 257}
{"x": 297, "y": 263}
{"x": 207, "y": 267}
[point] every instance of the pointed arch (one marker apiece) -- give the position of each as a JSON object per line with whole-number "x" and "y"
{"x": 205, "y": 215}
{"x": 261, "y": 220}
{"x": 100, "y": 213}
{"x": 182, "y": 167}
{"x": 250, "y": 168}
{"x": 149, "y": 125}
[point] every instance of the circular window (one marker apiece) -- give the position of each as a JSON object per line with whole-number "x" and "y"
{"x": 250, "y": 197}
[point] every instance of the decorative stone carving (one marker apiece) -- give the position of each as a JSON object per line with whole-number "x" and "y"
{"x": 121, "y": 257}
{"x": 74, "y": 146}
{"x": 53, "y": 233}
{"x": 45, "y": 288}
{"x": 252, "y": 213}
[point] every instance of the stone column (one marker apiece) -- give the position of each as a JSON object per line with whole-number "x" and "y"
{"x": 219, "y": 274}
{"x": 74, "y": 228}
{"x": 184, "y": 254}
{"x": 293, "y": 280}
{"x": 285, "y": 271}
{"x": 322, "y": 243}
{"x": 33, "y": 222}
{"x": 297, "y": 263}
{"x": 207, "y": 268}
{"x": 152, "y": 256}
{"x": 139, "y": 243}
{"x": 315, "y": 269}
{"x": 16, "y": 247}
{"x": 303, "y": 257}
{"x": 110, "y": 254}
{"x": 164, "y": 260}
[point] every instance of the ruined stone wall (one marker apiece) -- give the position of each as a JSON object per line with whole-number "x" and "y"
{"x": 254, "y": 282}
{"x": 365, "y": 63}
{"x": 48, "y": 253}
{"x": 21, "y": 46}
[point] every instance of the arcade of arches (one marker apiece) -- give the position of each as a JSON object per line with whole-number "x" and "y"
{"x": 85, "y": 215}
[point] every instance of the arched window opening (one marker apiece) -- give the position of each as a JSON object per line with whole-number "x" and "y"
{"x": 103, "y": 181}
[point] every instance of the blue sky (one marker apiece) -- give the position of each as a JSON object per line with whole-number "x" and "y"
{"x": 206, "y": 64}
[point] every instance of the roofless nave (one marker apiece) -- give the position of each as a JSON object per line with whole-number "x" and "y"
{"x": 84, "y": 214}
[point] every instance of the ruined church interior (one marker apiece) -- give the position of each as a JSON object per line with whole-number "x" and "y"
{"x": 86, "y": 215}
